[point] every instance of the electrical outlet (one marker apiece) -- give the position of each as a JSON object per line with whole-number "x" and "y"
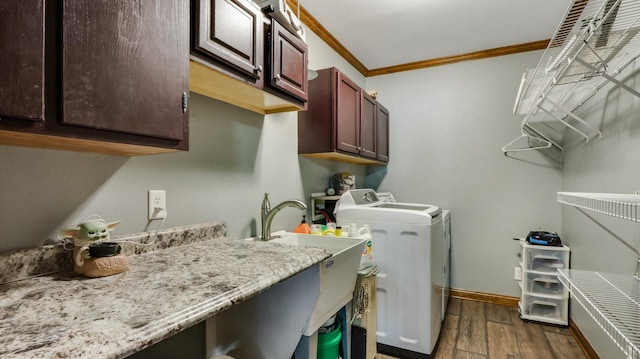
{"x": 518, "y": 273}
{"x": 157, "y": 204}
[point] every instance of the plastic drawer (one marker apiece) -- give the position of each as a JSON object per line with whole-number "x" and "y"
{"x": 544, "y": 284}
{"x": 545, "y": 260}
{"x": 544, "y": 309}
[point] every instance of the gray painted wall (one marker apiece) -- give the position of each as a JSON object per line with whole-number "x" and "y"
{"x": 448, "y": 125}
{"x": 235, "y": 157}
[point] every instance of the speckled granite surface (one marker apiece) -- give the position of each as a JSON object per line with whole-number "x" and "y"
{"x": 63, "y": 315}
{"x": 25, "y": 263}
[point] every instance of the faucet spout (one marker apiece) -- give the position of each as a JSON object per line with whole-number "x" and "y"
{"x": 268, "y": 214}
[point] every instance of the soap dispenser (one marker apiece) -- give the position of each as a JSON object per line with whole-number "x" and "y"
{"x": 303, "y": 227}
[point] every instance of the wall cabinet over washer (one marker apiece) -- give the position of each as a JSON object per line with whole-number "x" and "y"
{"x": 95, "y": 76}
{"x": 245, "y": 58}
{"x": 382, "y": 133}
{"x": 343, "y": 122}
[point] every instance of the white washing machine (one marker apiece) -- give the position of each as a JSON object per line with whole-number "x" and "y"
{"x": 408, "y": 250}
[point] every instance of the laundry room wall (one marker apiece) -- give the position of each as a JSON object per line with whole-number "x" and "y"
{"x": 235, "y": 157}
{"x": 447, "y": 128}
{"x": 610, "y": 164}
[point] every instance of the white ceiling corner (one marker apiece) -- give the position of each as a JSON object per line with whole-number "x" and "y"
{"x": 383, "y": 33}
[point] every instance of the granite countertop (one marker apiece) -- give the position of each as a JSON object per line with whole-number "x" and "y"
{"x": 63, "y": 315}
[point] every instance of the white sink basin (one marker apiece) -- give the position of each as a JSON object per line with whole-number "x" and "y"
{"x": 338, "y": 273}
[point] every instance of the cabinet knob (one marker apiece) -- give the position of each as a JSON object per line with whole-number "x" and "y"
{"x": 277, "y": 77}
{"x": 258, "y": 69}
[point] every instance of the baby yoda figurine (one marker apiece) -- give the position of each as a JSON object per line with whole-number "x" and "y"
{"x": 93, "y": 254}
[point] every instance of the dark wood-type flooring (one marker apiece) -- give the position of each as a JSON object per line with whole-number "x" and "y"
{"x": 477, "y": 330}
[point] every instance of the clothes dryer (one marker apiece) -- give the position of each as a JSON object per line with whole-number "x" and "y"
{"x": 408, "y": 250}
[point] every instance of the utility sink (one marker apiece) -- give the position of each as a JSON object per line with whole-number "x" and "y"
{"x": 338, "y": 273}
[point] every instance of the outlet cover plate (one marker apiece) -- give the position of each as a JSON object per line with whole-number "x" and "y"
{"x": 157, "y": 204}
{"x": 517, "y": 273}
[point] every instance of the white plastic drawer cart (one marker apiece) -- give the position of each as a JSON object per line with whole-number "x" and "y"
{"x": 544, "y": 298}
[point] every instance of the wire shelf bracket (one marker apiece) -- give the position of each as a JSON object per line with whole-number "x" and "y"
{"x": 594, "y": 43}
{"x": 611, "y": 300}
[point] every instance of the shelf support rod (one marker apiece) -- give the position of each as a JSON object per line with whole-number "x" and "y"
{"x": 593, "y": 68}
{"x": 608, "y": 230}
{"x": 610, "y": 78}
{"x": 531, "y": 130}
{"x": 566, "y": 124}
{"x": 575, "y": 117}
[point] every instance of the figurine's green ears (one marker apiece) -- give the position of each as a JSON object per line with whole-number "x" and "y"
{"x": 90, "y": 230}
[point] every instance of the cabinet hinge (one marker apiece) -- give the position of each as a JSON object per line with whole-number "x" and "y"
{"x": 184, "y": 102}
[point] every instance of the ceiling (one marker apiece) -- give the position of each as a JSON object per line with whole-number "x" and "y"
{"x": 381, "y": 34}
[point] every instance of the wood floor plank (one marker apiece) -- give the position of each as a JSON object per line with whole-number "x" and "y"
{"x": 461, "y": 354}
{"x": 556, "y": 329}
{"x": 501, "y": 341}
{"x": 454, "y": 306}
{"x": 448, "y": 336}
{"x": 564, "y": 346}
{"x": 472, "y": 329}
{"x": 532, "y": 342}
{"x": 499, "y": 313}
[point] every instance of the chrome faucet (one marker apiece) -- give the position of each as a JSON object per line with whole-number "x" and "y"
{"x": 267, "y": 213}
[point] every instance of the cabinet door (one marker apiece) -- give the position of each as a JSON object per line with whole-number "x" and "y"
{"x": 368, "y": 125}
{"x": 347, "y": 114}
{"x": 22, "y": 59}
{"x": 382, "y": 133}
{"x": 231, "y": 31}
{"x": 288, "y": 62}
{"x": 125, "y": 65}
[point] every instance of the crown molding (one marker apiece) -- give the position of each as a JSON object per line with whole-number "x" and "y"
{"x": 315, "y": 26}
{"x": 477, "y": 55}
{"x": 327, "y": 37}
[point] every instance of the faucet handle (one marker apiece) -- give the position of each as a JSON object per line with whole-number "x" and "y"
{"x": 266, "y": 205}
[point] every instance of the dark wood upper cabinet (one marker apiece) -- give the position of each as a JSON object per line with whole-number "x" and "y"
{"x": 242, "y": 56}
{"x": 100, "y": 76}
{"x": 22, "y": 59}
{"x": 125, "y": 69}
{"x": 231, "y": 31}
{"x": 347, "y": 104}
{"x": 288, "y": 66}
{"x": 368, "y": 115}
{"x": 342, "y": 122}
{"x": 382, "y": 133}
